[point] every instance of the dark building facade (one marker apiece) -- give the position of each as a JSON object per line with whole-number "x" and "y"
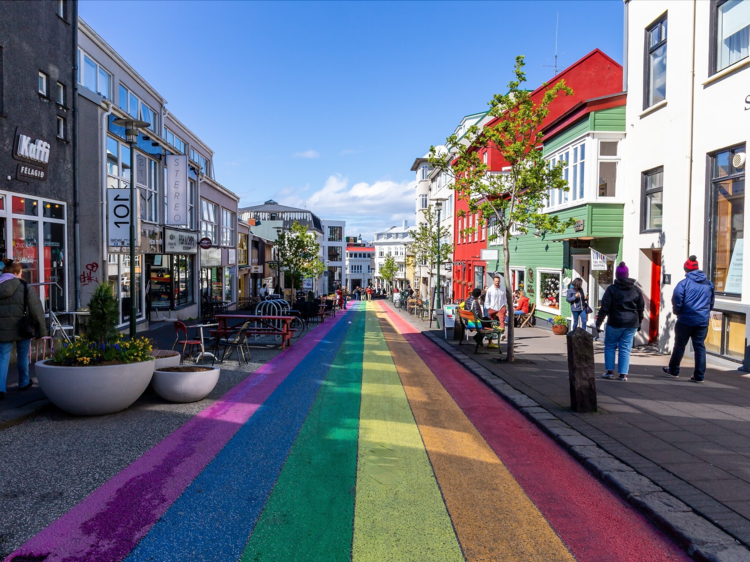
{"x": 37, "y": 81}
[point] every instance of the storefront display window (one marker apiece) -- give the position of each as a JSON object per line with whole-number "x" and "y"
{"x": 229, "y": 274}
{"x": 726, "y": 334}
{"x": 118, "y": 276}
{"x": 26, "y": 247}
{"x": 54, "y": 265}
{"x": 478, "y": 277}
{"x": 602, "y": 280}
{"x": 548, "y": 290}
{"x": 183, "y": 279}
{"x": 170, "y": 280}
{"x": 727, "y": 221}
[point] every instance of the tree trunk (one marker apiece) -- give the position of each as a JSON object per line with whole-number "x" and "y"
{"x": 511, "y": 315}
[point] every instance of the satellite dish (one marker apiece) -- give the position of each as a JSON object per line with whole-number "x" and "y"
{"x": 739, "y": 160}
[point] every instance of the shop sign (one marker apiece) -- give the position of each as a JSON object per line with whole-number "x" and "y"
{"x": 579, "y": 226}
{"x": 256, "y": 269}
{"x": 34, "y": 153}
{"x": 734, "y": 275}
{"x": 177, "y": 190}
{"x": 232, "y": 257}
{"x": 211, "y": 257}
{"x": 205, "y": 243}
{"x": 598, "y": 261}
{"x": 489, "y": 255}
{"x": 180, "y": 241}
{"x": 118, "y": 217}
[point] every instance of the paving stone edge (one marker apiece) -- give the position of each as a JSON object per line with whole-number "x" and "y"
{"x": 700, "y": 538}
{"x": 17, "y": 415}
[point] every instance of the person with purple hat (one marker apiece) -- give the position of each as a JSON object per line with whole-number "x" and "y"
{"x": 692, "y": 301}
{"x": 623, "y": 306}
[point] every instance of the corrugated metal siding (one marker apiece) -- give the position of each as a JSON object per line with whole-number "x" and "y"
{"x": 612, "y": 119}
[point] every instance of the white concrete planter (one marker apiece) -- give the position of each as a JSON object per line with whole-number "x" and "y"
{"x": 167, "y": 361}
{"x": 185, "y": 386}
{"x": 94, "y": 391}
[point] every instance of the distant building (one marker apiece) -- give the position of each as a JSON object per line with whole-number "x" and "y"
{"x": 392, "y": 242}
{"x": 360, "y": 263}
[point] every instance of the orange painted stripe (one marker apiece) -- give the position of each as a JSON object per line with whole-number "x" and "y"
{"x": 492, "y": 515}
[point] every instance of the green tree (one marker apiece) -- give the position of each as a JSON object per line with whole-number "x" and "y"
{"x": 299, "y": 254}
{"x": 512, "y": 200}
{"x": 424, "y": 249}
{"x": 103, "y": 317}
{"x": 388, "y": 270}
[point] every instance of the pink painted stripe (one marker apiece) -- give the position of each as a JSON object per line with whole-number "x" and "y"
{"x": 594, "y": 523}
{"x": 123, "y": 509}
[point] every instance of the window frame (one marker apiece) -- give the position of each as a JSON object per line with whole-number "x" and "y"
{"x": 140, "y": 104}
{"x": 61, "y": 130}
{"x": 647, "y": 50}
{"x": 148, "y": 193}
{"x": 43, "y": 79}
{"x": 99, "y": 68}
{"x": 61, "y": 10}
{"x": 538, "y": 279}
{"x": 645, "y": 192}
{"x": 228, "y": 221}
{"x": 60, "y": 92}
{"x": 213, "y": 225}
{"x": 713, "y": 39}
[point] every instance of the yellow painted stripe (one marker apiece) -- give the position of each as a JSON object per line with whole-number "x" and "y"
{"x": 399, "y": 514}
{"x": 493, "y": 517}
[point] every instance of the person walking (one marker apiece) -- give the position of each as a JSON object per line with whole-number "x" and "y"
{"x": 496, "y": 302}
{"x": 692, "y": 301}
{"x": 578, "y": 303}
{"x": 263, "y": 292}
{"x": 16, "y": 298}
{"x": 369, "y": 292}
{"x": 623, "y": 306}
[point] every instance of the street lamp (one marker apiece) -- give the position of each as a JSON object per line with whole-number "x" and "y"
{"x": 438, "y": 304}
{"x": 131, "y": 133}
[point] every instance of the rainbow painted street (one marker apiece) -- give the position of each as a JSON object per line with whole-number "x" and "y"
{"x": 363, "y": 441}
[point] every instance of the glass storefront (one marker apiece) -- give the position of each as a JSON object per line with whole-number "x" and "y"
{"x": 118, "y": 277}
{"x": 170, "y": 280}
{"x": 217, "y": 284}
{"x": 726, "y": 334}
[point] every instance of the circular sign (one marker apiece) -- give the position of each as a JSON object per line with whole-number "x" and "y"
{"x": 205, "y": 243}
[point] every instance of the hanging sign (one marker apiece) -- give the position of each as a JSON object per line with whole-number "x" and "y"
{"x": 205, "y": 243}
{"x": 598, "y": 261}
{"x": 180, "y": 242}
{"x": 177, "y": 190}
{"x": 256, "y": 269}
{"x": 118, "y": 217}
{"x": 489, "y": 255}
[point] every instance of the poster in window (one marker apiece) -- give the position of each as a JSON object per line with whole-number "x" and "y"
{"x": 734, "y": 275}
{"x": 177, "y": 190}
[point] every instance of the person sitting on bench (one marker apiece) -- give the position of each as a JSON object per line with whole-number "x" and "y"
{"x": 472, "y": 304}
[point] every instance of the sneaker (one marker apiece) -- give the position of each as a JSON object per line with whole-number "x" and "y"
{"x": 670, "y": 373}
{"x": 28, "y": 386}
{"x": 608, "y": 375}
{"x": 492, "y": 345}
{"x": 622, "y": 378}
{"x": 693, "y": 379}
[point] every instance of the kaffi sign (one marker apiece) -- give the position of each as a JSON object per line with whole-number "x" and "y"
{"x": 33, "y": 153}
{"x": 180, "y": 242}
{"x": 177, "y": 190}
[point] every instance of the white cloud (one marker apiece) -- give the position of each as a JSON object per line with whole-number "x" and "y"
{"x": 348, "y": 151}
{"x": 365, "y": 207}
{"x": 307, "y": 154}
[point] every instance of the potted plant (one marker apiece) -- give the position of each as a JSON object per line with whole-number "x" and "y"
{"x": 101, "y": 373}
{"x": 185, "y": 383}
{"x": 559, "y": 325}
{"x": 166, "y": 358}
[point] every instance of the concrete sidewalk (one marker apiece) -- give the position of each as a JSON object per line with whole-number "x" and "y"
{"x": 691, "y": 440}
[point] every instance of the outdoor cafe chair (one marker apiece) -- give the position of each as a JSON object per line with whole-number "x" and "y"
{"x": 180, "y": 327}
{"x": 237, "y": 342}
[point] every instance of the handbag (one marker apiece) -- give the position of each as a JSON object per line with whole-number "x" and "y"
{"x": 26, "y": 326}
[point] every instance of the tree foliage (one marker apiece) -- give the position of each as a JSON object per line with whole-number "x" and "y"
{"x": 103, "y": 315}
{"x": 424, "y": 249}
{"x": 389, "y": 269}
{"x": 299, "y": 253}
{"x": 511, "y": 200}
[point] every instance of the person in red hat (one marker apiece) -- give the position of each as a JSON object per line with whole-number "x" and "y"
{"x": 692, "y": 301}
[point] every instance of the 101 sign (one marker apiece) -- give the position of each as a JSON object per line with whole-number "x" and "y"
{"x": 118, "y": 214}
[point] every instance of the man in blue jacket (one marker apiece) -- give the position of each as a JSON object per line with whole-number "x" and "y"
{"x": 692, "y": 301}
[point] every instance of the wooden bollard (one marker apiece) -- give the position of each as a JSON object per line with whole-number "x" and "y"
{"x": 581, "y": 371}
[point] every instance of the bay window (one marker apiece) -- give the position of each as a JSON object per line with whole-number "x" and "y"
{"x": 608, "y": 162}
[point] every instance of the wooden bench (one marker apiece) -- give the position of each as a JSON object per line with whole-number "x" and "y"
{"x": 472, "y": 323}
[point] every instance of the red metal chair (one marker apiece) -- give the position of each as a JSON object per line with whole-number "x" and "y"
{"x": 180, "y": 327}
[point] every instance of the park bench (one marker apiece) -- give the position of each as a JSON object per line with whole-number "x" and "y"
{"x": 471, "y": 323}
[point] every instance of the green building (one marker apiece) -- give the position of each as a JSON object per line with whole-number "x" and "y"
{"x": 588, "y": 139}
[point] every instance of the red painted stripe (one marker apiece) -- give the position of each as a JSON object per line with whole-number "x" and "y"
{"x": 594, "y": 523}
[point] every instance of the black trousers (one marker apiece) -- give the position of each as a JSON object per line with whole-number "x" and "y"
{"x": 683, "y": 334}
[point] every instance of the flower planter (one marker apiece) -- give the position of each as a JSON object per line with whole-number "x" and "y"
{"x": 559, "y": 330}
{"x": 185, "y": 383}
{"x": 166, "y": 358}
{"x": 94, "y": 391}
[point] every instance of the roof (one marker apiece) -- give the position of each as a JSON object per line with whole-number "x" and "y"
{"x": 272, "y": 206}
{"x": 580, "y": 110}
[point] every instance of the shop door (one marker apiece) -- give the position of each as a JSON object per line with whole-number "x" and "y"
{"x": 653, "y": 324}
{"x": 582, "y": 271}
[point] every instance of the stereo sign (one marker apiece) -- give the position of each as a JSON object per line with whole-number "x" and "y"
{"x": 34, "y": 155}
{"x": 177, "y": 190}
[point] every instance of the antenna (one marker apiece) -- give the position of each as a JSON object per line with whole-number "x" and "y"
{"x": 557, "y": 26}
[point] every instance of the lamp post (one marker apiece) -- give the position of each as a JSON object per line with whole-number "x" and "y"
{"x": 131, "y": 133}
{"x": 438, "y": 304}
{"x": 278, "y": 261}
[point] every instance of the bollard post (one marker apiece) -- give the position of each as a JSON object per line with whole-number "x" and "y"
{"x": 581, "y": 371}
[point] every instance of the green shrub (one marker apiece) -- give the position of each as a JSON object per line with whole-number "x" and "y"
{"x": 102, "y": 324}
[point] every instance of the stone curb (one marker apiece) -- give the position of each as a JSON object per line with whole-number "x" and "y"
{"x": 13, "y": 416}
{"x": 701, "y": 539}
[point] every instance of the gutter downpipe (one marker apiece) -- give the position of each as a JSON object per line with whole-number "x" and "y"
{"x": 76, "y": 228}
{"x": 625, "y": 22}
{"x": 690, "y": 137}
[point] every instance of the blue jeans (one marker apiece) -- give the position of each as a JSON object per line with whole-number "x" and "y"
{"x": 682, "y": 334}
{"x": 22, "y": 349}
{"x": 618, "y": 339}
{"x": 576, "y": 315}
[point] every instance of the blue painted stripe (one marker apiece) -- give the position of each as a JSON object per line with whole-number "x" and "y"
{"x": 214, "y": 517}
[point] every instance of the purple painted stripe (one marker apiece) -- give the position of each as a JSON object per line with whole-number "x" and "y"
{"x": 113, "y": 518}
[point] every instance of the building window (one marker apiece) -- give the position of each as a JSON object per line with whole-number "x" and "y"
{"x": 608, "y": 162}
{"x": 118, "y": 164}
{"x": 60, "y": 8}
{"x": 334, "y": 253}
{"x": 1, "y": 81}
{"x": 118, "y": 274}
{"x": 656, "y": 63}
{"x": 335, "y": 234}
{"x": 726, "y": 334}
{"x": 732, "y": 32}
{"x": 42, "y": 85}
{"x": 484, "y": 158}
{"x": 227, "y": 228}
{"x": 146, "y": 181}
{"x": 242, "y": 250}
{"x": 548, "y": 290}
{"x": 727, "y": 220}
{"x": 209, "y": 225}
{"x": 60, "y": 94}
{"x": 653, "y": 187}
{"x": 425, "y": 172}
{"x": 423, "y": 201}
{"x": 174, "y": 140}
{"x": 93, "y": 76}
{"x": 137, "y": 109}
{"x": 61, "y": 127}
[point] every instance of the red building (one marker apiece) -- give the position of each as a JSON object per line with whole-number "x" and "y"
{"x": 593, "y": 76}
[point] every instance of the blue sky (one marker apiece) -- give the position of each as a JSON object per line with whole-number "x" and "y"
{"x": 326, "y": 105}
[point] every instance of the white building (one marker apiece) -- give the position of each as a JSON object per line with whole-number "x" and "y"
{"x": 360, "y": 264}
{"x": 333, "y": 248}
{"x": 392, "y": 242}
{"x": 687, "y": 128}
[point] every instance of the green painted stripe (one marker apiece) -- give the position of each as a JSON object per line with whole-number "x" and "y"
{"x": 400, "y": 513}
{"x": 310, "y": 511}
